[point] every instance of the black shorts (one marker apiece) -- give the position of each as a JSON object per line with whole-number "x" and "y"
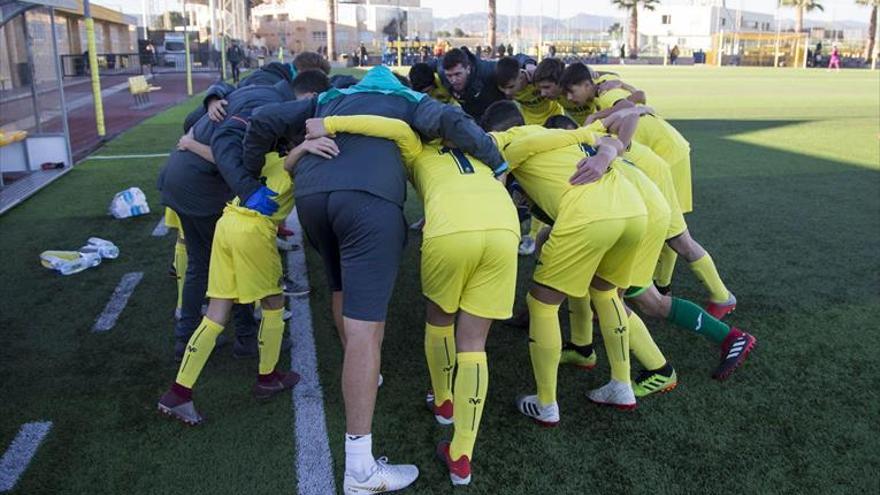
{"x": 360, "y": 238}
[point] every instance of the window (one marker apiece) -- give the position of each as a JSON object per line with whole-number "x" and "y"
{"x": 666, "y": 19}
{"x": 319, "y": 36}
{"x": 723, "y": 21}
{"x": 283, "y": 18}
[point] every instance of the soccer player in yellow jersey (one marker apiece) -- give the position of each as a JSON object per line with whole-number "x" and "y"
{"x": 735, "y": 344}
{"x": 513, "y": 76}
{"x": 591, "y": 251}
{"x": 245, "y": 267}
{"x": 655, "y": 133}
{"x": 468, "y": 271}
{"x": 546, "y": 79}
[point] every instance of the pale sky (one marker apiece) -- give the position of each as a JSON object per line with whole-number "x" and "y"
{"x": 834, "y": 9}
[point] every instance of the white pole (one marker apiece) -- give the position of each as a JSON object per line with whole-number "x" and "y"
{"x": 144, "y": 19}
{"x": 212, "y": 5}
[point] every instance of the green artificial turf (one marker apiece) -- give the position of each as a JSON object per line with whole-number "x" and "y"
{"x": 787, "y": 198}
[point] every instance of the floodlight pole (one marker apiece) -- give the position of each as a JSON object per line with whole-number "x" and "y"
{"x": 876, "y": 40}
{"x": 144, "y": 19}
{"x": 188, "y": 60}
{"x": 93, "y": 68}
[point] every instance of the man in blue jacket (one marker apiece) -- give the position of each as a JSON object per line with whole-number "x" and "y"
{"x": 351, "y": 209}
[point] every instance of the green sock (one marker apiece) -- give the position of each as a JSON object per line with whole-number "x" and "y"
{"x": 688, "y": 315}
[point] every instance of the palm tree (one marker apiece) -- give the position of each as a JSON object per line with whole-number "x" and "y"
{"x": 872, "y": 26}
{"x": 492, "y": 13}
{"x": 801, "y": 6}
{"x": 633, "y": 7}
{"x": 331, "y": 29}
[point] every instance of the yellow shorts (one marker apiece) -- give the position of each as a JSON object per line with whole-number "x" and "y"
{"x": 172, "y": 221}
{"x": 681, "y": 175}
{"x": 245, "y": 264}
{"x": 471, "y": 271}
{"x": 649, "y": 247}
{"x": 573, "y": 255}
{"x": 660, "y": 174}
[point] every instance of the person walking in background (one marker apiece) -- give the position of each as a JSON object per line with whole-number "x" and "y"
{"x": 673, "y": 54}
{"x": 834, "y": 61}
{"x": 364, "y": 55}
{"x": 234, "y": 54}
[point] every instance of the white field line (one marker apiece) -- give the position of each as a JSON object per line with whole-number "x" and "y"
{"x": 314, "y": 464}
{"x": 127, "y": 157}
{"x": 19, "y": 454}
{"x": 117, "y": 302}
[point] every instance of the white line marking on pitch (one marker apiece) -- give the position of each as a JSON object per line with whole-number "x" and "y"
{"x": 127, "y": 157}
{"x": 117, "y": 301}
{"x": 314, "y": 464}
{"x": 19, "y": 454}
{"x": 161, "y": 229}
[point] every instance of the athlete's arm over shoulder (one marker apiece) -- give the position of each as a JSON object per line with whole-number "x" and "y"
{"x": 271, "y": 123}
{"x": 376, "y": 126}
{"x": 433, "y": 119}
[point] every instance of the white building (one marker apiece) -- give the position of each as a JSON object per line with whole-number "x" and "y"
{"x": 690, "y": 24}
{"x": 302, "y": 24}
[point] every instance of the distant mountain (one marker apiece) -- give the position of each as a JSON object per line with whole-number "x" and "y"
{"x": 475, "y": 24}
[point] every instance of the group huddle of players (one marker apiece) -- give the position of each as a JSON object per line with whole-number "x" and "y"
{"x": 605, "y": 180}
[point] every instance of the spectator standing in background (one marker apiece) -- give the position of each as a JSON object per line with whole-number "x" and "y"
{"x": 234, "y": 54}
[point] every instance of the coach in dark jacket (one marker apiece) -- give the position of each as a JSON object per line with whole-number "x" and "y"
{"x": 471, "y": 81}
{"x": 197, "y": 190}
{"x": 351, "y": 209}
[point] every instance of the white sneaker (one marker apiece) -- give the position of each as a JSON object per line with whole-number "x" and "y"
{"x": 526, "y": 246}
{"x": 385, "y": 478}
{"x": 614, "y": 393}
{"x": 543, "y": 415}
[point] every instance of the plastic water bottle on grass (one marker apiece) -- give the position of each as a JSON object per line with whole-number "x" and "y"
{"x": 103, "y": 247}
{"x": 69, "y": 262}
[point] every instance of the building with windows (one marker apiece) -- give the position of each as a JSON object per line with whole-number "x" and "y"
{"x": 300, "y": 25}
{"x": 115, "y": 33}
{"x": 690, "y": 24}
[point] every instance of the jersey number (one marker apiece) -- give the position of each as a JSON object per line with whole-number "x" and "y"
{"x": 461, "y": 161}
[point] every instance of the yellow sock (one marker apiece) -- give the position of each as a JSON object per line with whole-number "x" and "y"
{"x": 580, "y": 318}
{"x": 704, "y": 269}
{"x": 269, "y": 339}
{"x": 198, "y": 350}
{"x": 471, "y": 383}
{"x": 440, "y": 354}
{"x": 665, "y": 266}
{"x": 180, "y": 263}
{"x": 642, "y": 345}
{"x": 545, "y": 346}
{"x": 612, "y": 322}
{"x": 535, "y": 226}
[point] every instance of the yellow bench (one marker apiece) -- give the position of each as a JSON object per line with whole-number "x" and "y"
{"x": 140, "y": 89}
{"x": 11, "y": 137}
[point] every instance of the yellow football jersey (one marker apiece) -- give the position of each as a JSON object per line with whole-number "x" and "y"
{"x": 652, "y": 131}
{"x": 277, "y": 179}
{"x": 577, "y": 112}
{"x": 460, "y": 193}
{"x": 545, "y": 177}
{"x": 535, "y": 108}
